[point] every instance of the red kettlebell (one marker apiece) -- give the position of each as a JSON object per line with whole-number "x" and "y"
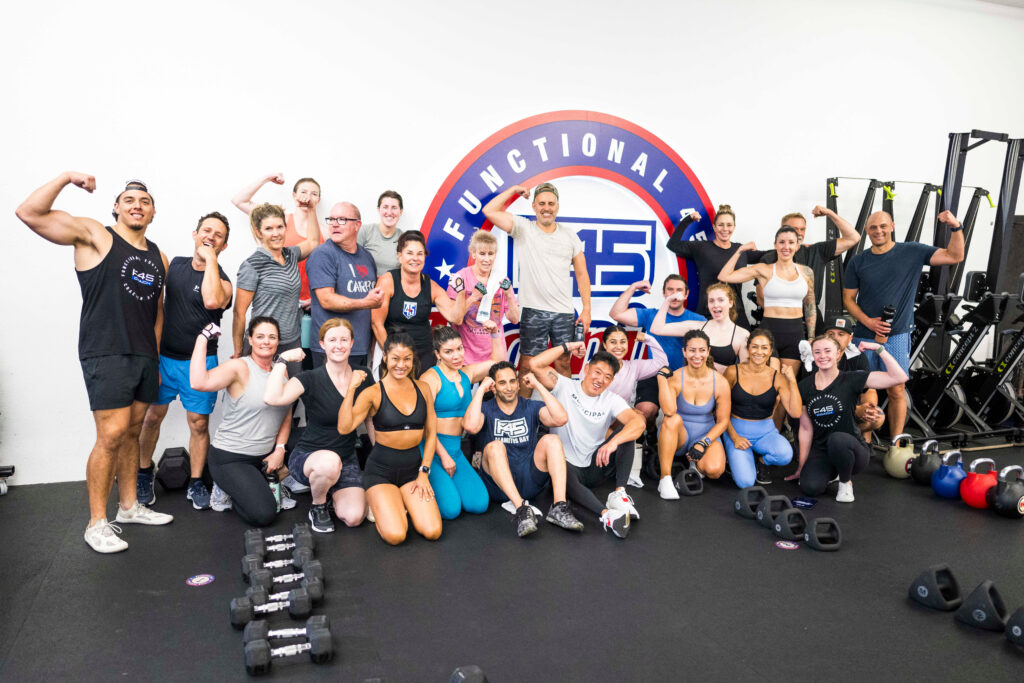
{"x": 974, "y": 487}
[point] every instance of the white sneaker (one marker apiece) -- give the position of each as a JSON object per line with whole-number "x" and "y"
{"x": 620, "y": 500}
{"x": 617, "y": 521}
{"x": 140, "y": 514}
{"x": 845, "y": 492}
{"x": 635, "y": 481}
{"x": 508, "y": 507}
{"x": 103, "y": 537}
{"x": 294, "y": 486}
{"x": 287, "y": 502}
{"x": 667, "y": 489}
{"x": 219, "y": 500}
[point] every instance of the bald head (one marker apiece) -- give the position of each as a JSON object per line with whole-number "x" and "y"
{"x": 879, "y": 228}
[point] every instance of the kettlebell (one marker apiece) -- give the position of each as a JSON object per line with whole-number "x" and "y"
{"x": 975, "y": 486}
{"x": 946, "y": 480}
{"x": 923, "y": 466}
{"x": 1007, "y": 496}
{"x": 897, "y": 459}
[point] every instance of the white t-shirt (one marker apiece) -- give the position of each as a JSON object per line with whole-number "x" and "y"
{"x": 545, "y": 264}
{"x": 589, "y": 419}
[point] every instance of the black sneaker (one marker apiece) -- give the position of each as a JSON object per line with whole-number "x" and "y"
{"x": 764, "y": 475}
{"x": 525, "y": 521}
{"x": 320, "y": 518}
{"x": 561, "y": 515}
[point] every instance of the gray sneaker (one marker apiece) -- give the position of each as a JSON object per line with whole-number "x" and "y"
{"x": 287, "y": 502}
{"x": 525, "y": 521}
{"x": 294, "y": 486}
{"x": 140, "y": 514}
{"x": 561, "y": 515}
{"x": 219, "y": 500}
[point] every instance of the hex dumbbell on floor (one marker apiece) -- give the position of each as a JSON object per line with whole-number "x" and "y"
{"x": 258, "y": 653}
{"x": 261, "y": 594}
{"x": 260, "y": 629}
{"x": 243, "y": 610}
{"x": 258, "y": 544}
{"x": 301, "y": 559}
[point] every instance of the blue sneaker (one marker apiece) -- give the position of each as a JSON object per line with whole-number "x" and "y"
{"x": 144, "y": 490}
{"x": 199, "y": 495}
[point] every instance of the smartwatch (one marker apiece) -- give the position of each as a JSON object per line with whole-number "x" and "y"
{"x": 425, "y": 469}
{"x": 665, "y": 372}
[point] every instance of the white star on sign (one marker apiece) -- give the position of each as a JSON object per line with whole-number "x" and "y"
{"x": 445, "y": 269}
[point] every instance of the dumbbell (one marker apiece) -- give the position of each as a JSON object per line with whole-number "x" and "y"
{"x": 262, "y": 578}
{"x": 258, "y": 653}
{"x": 770, "y": 508}
{"x": 302, "y": 559}
{"x": 260, "y": 629}
{"x": 243, "y": 610}
{"x": 258, "y": 544}
{"x": 748, "y": 500}
{"x": 261, "y": 594}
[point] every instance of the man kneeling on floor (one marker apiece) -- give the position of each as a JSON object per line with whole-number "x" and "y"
{"x": 516, "y": 463}
{"x": 593, "y": 455}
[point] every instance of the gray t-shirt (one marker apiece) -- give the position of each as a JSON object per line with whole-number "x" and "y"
{"x": 545, "y": 263}
{"x": 249, "y": 426}
{"x": 589, "y": 419}
{"x": 275, "y": 289}
{"x": 383, "y": 249}
{"x": 350, "y": 275}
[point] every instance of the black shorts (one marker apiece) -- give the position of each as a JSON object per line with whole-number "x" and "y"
{"x": 539, "y": 328}
{"x": 391, "y": 466}
{"x": 788, "y": 333}
{"x": 647, "y": 391}
{"x": 118, "y": 381}
{"x": 351, "y": 475}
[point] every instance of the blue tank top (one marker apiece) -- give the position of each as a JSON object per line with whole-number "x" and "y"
{"x": 693, "y": 413}
{"x": 448, "y": 403}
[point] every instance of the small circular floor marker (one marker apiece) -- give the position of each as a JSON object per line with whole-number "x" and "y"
{"x": 785, "y": 545}
{"x": 199, "y": 580}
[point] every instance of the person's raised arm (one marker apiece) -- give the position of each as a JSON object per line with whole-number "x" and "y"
{"x": 243, "y": 200}
{"x": 954, "y": 251}
{"x": 312, "y": 240}
{"x": 848, "y": 235}
{"x": 242, "y": 303}
{"x": 55, "y": 226}
{"x": 220, "y": 377}
{"x": 659, "y": 326}
{"x": 454, "y": 311}
{"x": 621, "y": 312}
{"x": 379, "y": 315}
{"x": 553, "y": 413}
{"x": 789, "y": 391}
{"x": 280, "y": 390}
{"x": 735, "y": 277}
{"x": 579, "y": 266}
{"x": 512, "y": 312}
{"x": 473, "y": 420}
{"x": 893, "y": 374}
{"x": 495, "y": 211}
{"x": 676, "y": 243}
{"x": 352, "y": 412}
{"x": 648, "y": 367}
{"x": 540, "y": 365}
{"x": 462, "y": 303}
{"x": 216, "y": 292}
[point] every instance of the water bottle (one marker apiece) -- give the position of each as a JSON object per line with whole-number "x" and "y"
{"x": 578, "y": 332}
{"x": 888, "y": 313}
{"x": 275, "y": 488}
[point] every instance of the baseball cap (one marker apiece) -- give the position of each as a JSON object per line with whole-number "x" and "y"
{"x": 843, "y": 323}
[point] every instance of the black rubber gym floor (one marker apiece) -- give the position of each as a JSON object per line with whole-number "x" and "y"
{"x": 695, "y": 592}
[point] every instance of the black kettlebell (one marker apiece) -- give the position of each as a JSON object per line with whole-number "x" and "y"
{"x": 1007, "y": 496}
{"x": 924, "y": 466}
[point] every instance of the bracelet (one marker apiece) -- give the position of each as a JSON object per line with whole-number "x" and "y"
{"x": 565, "y": 347}
{"x": 956, "y": 229}
{"x": 280, "y": 445}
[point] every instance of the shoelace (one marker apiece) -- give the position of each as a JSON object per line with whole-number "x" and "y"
{"x": 110, "y": 529}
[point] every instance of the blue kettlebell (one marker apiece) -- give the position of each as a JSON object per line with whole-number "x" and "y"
{"x": 946, "y": 480}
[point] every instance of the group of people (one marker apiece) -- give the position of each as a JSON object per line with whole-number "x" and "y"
{"x": 318, "y": 296}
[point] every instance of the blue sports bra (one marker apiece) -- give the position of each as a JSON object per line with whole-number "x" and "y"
{"x": 448, "y": 403}
{"x": 689, "y": 411}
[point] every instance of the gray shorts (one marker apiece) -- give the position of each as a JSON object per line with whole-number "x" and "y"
{"x": 540, "y": 329}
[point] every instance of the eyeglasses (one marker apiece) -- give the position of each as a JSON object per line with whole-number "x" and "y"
{"x": 331, "y": 220}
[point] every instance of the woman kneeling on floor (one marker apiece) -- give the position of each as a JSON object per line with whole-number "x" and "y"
{"x": 251, "y": 437}
{"x": 323, "y": 459}
{"x": 830, "y": 397}
{"x": 397, "y": 472}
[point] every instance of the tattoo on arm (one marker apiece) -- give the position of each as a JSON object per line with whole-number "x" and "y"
{"x": 810, "y": 310}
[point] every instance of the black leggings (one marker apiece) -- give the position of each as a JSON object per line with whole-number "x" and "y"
{"x": 579, "y": 480}
{"x": 845, "y": 455}
{"x": 241, "y": 478}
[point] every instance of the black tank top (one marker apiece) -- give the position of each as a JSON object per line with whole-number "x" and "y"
{"x": 410, "y": 314}
{"x": 750, "y": 407}
{"x": 724, "y": 355}
{"x": 185, "y": 314}
{"x": 120, "y": 298}
{"x": 390, "y": 419}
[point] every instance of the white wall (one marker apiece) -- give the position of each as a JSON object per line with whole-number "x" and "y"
{"x": 762, "y": 100}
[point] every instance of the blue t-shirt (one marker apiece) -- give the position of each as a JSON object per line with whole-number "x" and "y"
{"x": 517, "y": 431}
{"x": 350, "y": 275}
{"x": 673, "y": 346}
{"x": 889, "y": 278}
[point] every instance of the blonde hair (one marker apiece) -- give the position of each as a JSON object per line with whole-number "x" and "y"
{"x": 331, "y": 323}
{"x": 725, "y": 210}
{"x": 261, "y": 213}
{"x": 483, "y": 238}
{"x": 795, "y": 214}
{"x": 731, "y": 295}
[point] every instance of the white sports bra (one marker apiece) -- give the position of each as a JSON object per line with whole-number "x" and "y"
{"x": 785, "y": 293}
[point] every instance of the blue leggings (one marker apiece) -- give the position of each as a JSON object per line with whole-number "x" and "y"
{"x": 463, "y": 491}
{"x": 765, "y": 440}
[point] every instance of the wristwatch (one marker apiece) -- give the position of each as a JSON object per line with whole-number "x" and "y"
{"x": 665, "y": 372}
{"x": 425, "y": 469}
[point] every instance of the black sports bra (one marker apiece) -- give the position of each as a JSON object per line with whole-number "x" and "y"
{"x": 753, "y": 406}
{"x": 724, "y": 355}
{"x": 390, "y": 419}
